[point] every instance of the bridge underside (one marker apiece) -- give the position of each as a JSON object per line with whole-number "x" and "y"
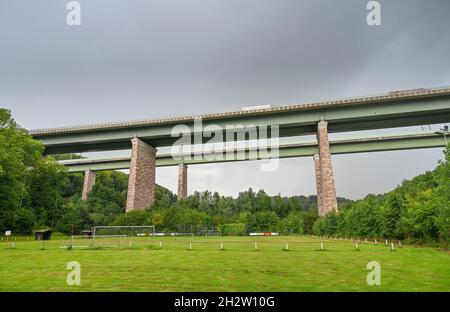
{"x": 347, "y": 146}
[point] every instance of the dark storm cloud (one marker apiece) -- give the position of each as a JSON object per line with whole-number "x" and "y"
{"x": 144, "y": 59}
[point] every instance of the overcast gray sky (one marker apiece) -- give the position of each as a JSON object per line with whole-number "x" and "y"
{"x": 140, "y": 59}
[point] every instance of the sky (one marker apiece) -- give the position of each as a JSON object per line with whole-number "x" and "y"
{"x": 144, "y": 59}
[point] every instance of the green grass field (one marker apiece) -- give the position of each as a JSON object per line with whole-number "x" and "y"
{"x": 239, "y": 267}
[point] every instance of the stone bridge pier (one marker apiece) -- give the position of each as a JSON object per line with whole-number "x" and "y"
{"x": 141, "y": 180}
{"x": 326, "y": 189}
{"x": 182, "y": 181}
{"x": 89, "y": 181}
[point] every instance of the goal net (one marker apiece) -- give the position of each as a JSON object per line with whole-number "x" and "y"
{"x": 80, "y": 241}
{"x": 110, "y": 236}
{"x": 124, "y": 231}
{"x": 210, "y": 233}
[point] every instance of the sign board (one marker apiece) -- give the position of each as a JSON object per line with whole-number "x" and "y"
{"x": 7, "y": 233}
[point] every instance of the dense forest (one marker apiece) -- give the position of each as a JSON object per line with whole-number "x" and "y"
{"x": 37, "y": 192}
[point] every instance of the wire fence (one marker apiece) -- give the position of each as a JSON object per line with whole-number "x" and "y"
{"x": 286, "y": 243}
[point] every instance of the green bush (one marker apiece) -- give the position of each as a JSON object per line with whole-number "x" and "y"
{"x": 294, "y": 223}
{"x": 233, "y": 229}
{"x": 138, "y": 217}
{"x": 24, "y": 221}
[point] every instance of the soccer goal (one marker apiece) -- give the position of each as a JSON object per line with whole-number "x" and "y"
{"x": 119, "y": 236}
{"x": 82, "y": 241}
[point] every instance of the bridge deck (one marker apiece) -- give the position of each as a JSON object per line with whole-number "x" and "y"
{"x": 395, "y": 109}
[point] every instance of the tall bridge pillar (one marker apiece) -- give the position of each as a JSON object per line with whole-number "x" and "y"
{"x": 89, "y": 181}
{"x": 182, "y": 181}
{"x": 318, "y": 183}
{"x": 326, "y": 197}
{"x": 141, "y": 180}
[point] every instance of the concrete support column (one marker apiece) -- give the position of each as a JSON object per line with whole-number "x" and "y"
{"x": 141, "y": 181}
{"x": 318, "y": 184}
{"x": 89, "y": 181}
{"x": 182, "y": 181}
{"x": 328, "y": 199}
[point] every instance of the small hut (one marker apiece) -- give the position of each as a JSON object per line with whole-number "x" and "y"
{"x": 45, "y": 234}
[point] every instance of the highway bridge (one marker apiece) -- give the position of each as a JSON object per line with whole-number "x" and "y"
{"x": 144, "y": 137}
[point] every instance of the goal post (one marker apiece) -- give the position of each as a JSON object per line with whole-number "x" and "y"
{"x": 109, "y": 236}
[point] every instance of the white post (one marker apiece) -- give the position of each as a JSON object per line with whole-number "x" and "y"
{"x": 160, "y": 244}
{"x": 287, "y": 247}
{"x": 190, "y": 246}
{"x": 221, "y": 246}
{"x": 321, "y": 246}
{"x": 356, "y": 245}
{"x": 256, "y": 246}
{"x": 392, "y": 246}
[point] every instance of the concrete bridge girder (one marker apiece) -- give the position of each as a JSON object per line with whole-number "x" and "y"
{"x": 345, "y": 115}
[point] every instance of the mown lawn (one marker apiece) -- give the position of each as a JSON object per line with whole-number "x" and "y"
{"x": 239, "y": 267}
